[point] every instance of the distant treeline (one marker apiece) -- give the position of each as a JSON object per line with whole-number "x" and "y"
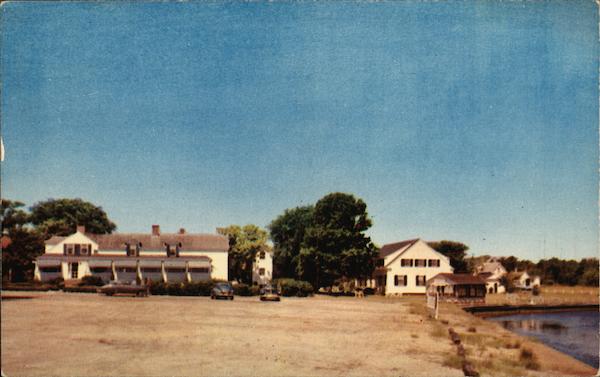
{"x": 554, "y": 270}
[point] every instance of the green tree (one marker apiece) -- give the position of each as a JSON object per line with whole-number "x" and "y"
{"x": 336, "y": 245}
{"x": 287, "y": 232}
{"x": 13, "y": 216}
{"x": 244, "y": 244}
{"x": 24, "y": 244}
{"x": 60, "y": 217}
{"x": 455, "y": 251}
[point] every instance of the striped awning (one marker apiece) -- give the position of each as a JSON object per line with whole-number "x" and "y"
{"x": 199, "y": 263}
{"x": 150, "y": 263}
{"x": 99, "y": 263}
{"x": 175, "y": 263}
{"x": 48, "y": 262}
{"x": 126, "y": 263}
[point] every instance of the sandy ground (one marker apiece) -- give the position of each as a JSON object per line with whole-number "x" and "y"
{"x": 60, "y": 334}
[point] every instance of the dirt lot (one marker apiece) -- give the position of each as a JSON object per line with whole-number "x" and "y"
{"x": 85, "y": 335}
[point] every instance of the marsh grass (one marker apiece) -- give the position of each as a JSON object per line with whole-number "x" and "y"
{"x": 529, "y": 359}
{"x": 452, "y": 361}
{"x": 438, "y": 331}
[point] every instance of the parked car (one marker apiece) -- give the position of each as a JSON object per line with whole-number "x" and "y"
{"x": 222, "y": 290}
{"x": 123, "y": 287}
{"x": 269, "y": 293}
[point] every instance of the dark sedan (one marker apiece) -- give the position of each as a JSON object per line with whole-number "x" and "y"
{"x": 120, "y": 287}
{"x": 222, "y": 290}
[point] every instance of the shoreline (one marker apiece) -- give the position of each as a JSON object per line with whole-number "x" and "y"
{"x": 504, "y": 310}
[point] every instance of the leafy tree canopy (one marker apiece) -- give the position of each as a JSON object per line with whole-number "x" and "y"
{"x": 244, "y": 244}
{"x": 60, "y": 217}
{"x": 287, "y": 233}
{"x": 455, "y": 251}
{"x": 335, "y": 245}
{"x": 13, "y": 216}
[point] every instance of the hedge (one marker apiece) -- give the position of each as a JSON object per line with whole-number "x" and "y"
{"x": 293, "y": 288}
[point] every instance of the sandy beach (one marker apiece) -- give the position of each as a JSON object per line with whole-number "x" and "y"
{"x": 61, "y": 334}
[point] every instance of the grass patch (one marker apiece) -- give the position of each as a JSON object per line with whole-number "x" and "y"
{"x": 453, "y": 361}
{"x": 472, "y": 329}
{"x": 438, "y": 331}
{"x": 512, "y": 345}
{"x": 414, "y": 336}
{"x": 528, "y": 359}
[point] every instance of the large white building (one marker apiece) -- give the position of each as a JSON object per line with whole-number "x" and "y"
{"x": 171, "y": 257}
{"x": 404, "y": 267}
{"x": 262, "y": 268}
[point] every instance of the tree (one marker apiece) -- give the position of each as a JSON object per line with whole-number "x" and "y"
{"x": 60, "y": 217}
{"x": 287, "y": 232}
{"x": 335, "y": 244}
{"x": 21, "y": 245}
{"x": 12, "y": 215}
{"x": 456, "y": 251}
{"x": 244, "y": 244}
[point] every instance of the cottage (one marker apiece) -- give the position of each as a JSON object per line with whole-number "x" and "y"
{"x": 262, "y": 268}
{"x": 458, "y": 288}
{"x": 492, "y": 271}
{"x": 171, "y": 257}
{"x": 404, "y": 267}
{"x": 522, "y": 280}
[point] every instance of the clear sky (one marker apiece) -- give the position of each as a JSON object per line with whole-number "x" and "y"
{"x": 474, "y": 121}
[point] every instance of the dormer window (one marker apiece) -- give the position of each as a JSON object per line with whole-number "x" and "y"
{"x": 262, "y": 255}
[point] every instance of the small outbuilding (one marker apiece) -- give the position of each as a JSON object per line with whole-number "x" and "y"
{"x": 458, "y": 288}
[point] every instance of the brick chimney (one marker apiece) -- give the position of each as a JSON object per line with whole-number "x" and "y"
{"x": 81, "y": 228}
{"x": 156, "y": 230}
{"x": 181, "y": 230}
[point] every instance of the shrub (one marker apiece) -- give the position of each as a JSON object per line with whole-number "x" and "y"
{"x": 159, "y": 288}
{"x": 368, "y": 291}
{"x": 57, "y": 283}
{"x": 536, "y": 290}
{"x": 529, "y": 359}
{"x": 293, "y": 288}
{"x": 472, "y": 329}
{"x": 91, "y": 280}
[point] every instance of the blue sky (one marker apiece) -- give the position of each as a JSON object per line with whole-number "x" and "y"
{"x": 472, "y": 121}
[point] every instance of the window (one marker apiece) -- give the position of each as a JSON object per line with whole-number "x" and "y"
{"x": 261, "y": 271}
{"x": 262, "y": 255}
{"x": 434, "y": 263}
{"x": 420, "y": 280}
{"x": 420, "y": 262}
{"x": 84, "y": 249}
{"x": 400, "y": 280}
{"x": 406, "y": 262}
{"x": 70, "y": 249}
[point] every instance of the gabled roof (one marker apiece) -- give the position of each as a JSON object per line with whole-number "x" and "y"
{"x": 55, "y": 240}
{"x": 391, "y": 248}
{"x": 189, "y": 241}
{"x": 491, "y": 266}
{"x": 460, "y": 278}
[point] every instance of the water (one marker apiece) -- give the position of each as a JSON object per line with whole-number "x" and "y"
{"x": 573, "y": 333}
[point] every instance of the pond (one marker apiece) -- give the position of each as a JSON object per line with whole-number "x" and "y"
{"x": 573, "y": 333}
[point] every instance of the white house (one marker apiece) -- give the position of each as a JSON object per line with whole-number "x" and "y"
{"x": 492, "y": 272}
{"x": 172, "y": 257}
{"x": 522, "y": 280}
{"x": 262, "y": 268}
{"x": 404, "y": 267}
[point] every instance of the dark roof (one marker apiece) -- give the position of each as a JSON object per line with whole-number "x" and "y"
{"x": 55, "y": 240}
{"x": 485, "y": 275}
{"x": 393, "y": 247}
{"x": 461, "y": 278}
{"x": 189, "y": 241}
